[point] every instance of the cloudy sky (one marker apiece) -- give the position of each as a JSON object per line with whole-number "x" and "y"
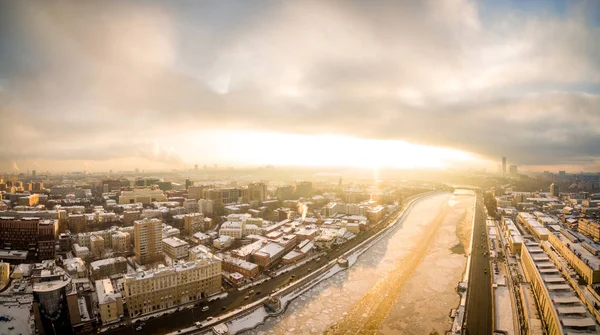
{"x": 101, "y": 85}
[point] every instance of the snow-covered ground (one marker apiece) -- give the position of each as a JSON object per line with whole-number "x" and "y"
{"x": 18, "y": 316}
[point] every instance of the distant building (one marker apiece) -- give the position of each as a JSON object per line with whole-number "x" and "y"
{"x": 503, "y": 165}
{"x": 285, "y": 192}
{"x": 304, "y": 189}
{"x": 513, "y": 170}
{"x": 554, "y": 190}
{"x": 205, "y": 207}
{"x": 257, "y": 192}
{"x": 143, "y": 195}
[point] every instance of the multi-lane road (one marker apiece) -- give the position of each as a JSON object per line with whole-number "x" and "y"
{"x": 479, "y": 295}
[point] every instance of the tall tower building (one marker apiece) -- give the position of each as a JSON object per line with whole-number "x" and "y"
{"x": 257, "y": 191}
{"x": 554, "y": 190}
{"x": 148, "y": 240}
{"x": 503, "y": 165}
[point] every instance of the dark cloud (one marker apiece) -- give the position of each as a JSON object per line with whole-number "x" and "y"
{"x": 97, "y": 82}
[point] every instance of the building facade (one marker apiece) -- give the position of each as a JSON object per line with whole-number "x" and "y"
{"x": 148, "y": 240}
{"x": 167, "y": 287}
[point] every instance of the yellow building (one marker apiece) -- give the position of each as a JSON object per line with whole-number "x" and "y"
{"x": 143, "y": 195}
{"x": 4, "y": 273}
{"x": 110, "y": 302}
{"x": 167, "y": 287}
{"x": 193, "y": 223}
{"x": 585, "y": 263}
{"x": 561, "y": 309}
{"x": 148, "y": 240}
{"x": 120, "y": 241}
{"x": 175, "y": 248}
{"x": 97, "y": 246}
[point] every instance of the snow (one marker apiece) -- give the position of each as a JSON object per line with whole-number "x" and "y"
{"x": 503, "y": 315}
{"x": 18, "y": 316}
{"x": 248, "y": 321}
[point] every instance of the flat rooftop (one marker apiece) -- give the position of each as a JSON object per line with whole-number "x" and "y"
{"x": 570, "y": 311}
{"x": 583, "y": 253}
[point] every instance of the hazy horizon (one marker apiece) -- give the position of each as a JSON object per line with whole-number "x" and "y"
{"x": 436, "y": 85}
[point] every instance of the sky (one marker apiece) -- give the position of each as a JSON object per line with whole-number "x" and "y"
{"x": 98, "y": 85}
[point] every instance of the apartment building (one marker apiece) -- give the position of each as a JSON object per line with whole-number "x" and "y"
{"x": 586, "y": 264}
{"x": 193, "y": 223}
{"x": 108, "y": 267}
{"x": 167, "y": 287}
{"x": 560, "y": 308}
{"x": 129, "y": 217}
{"x": 589, "y": 227}
{"x": 121, "y": 241}
{"x": 110, "y": 302}
{"x": 148, "y": 240}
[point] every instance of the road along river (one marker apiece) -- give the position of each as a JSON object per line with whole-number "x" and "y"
{"x": 403, "y": 284}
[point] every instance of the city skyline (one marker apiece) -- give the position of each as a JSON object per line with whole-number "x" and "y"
{"x": 98, "y": 86}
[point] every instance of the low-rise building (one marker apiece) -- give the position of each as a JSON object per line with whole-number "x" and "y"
{"x": 245, "y": 268}
{"x": 175, "y": 248}
{"x": 223, "y": 242}
{"x": 97, "y": 246}
{"x": 81, "y": 252}
{"x": 108, "y": 267}
{"x": 121, "y": 241}
{"x": 110, "y": 302}
{"x": 268, "y": 255}
{"x": 75, "y": 267}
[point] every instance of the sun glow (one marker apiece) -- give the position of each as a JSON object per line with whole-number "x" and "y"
{"x": 256, "y": 148}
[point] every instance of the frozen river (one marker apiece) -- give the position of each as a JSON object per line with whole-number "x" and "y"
{"x": 404, "y": 284}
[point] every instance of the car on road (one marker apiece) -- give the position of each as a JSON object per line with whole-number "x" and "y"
{"x": 209, "y": 318}
{"x": 223, "y": 308}
{"x": 246, "y": 297}
{"x": 198, "y": 324}
{"x": 205, "y": 308}
{"x": 138, "y": 328}
{"x": 251, "y": 291}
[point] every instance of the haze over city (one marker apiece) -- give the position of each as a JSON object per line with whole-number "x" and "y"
{"x": 165, "y": 85}
{"x": 336, "y": 167}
